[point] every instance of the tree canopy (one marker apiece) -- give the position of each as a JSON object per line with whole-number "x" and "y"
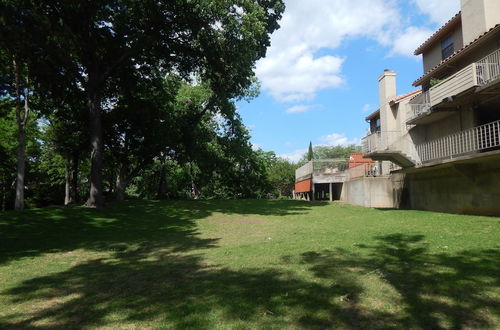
{"x": 145, "y": 83}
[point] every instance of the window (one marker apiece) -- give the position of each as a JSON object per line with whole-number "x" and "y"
{"x": 447, "y": 47}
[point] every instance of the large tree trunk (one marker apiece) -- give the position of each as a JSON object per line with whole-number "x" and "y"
{"x": 162, "y": 184}
{"x": 67, "y": 186}
{"x": 71, "y": 191}
{"x": 22, "y": 120}
{"x": 121, "y": 183}
{"x": 96, "y": 194}
{"x": 21, "y": 163}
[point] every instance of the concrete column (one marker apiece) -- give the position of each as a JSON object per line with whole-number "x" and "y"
{"x": 313, "y": 193}
{"x": 331, "y": 190}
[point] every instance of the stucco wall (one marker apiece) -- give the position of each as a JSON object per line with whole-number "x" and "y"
{"x": 433, "y": 56}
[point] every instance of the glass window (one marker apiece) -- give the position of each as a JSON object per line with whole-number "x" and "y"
{"x": 447, "y": 47}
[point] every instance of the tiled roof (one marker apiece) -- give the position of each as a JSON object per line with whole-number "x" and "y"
{"x": 443, "y": 30}
{"x": 457, "y": 53}
{"x": 402, "y": 97}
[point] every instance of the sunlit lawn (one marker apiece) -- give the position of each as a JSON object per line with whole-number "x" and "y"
{"x": 247, "y": 264}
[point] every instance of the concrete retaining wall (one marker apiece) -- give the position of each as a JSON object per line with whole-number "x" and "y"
{"x": 456, "y": 188}
{"x": 369, "y": 192}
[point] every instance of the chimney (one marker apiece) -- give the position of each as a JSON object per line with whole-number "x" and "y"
{"x": 387, "y": 92}
{"x": 478, "y": 16}
{"x": 386, "y": 86}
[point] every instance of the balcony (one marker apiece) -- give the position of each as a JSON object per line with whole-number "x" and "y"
{"x": 481, "y": 138}
{"x": 387, "y": 145}
{"x": 483, "y": 72}
{"x": 322, "y": 171}
{"x": 418, "y": 106}
{"x": 379, "y": 141}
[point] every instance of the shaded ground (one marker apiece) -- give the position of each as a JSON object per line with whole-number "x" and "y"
{"x": 212, "y": 264}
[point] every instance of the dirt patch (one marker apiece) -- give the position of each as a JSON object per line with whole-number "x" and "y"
{"x": 222, "y": 220}
{"x": 248, "y": 220}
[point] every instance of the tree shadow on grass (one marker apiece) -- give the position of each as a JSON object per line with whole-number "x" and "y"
{"x": 148, "y": 286}
{"x": 437, "y": 291}
{"x": 169, "y": 223}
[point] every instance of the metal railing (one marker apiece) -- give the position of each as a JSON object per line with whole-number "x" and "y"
{"x": 418, "y": 106}
{"x": 468, "y": 141}
{"x": 318, "y": 167}
{"x": 475, "y": 74}
{"x": 379, "y": 140}
{"x": 488, "y": 68}
{"x": 367, "y": 169}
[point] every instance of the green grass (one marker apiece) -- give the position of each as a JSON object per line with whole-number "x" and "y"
{"x": 247, "y": 264}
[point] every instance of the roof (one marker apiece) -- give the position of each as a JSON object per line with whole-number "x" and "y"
{"x": 373, "y": 115}
{"x": 441, "y": 32}
{"x": 459, "y": 53}
{"x": 404, "y": 96}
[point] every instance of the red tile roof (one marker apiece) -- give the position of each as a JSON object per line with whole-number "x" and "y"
{"x": 402, "y": 97}
{"x": 458, "y": 53}
{"x": 441, "y": 32}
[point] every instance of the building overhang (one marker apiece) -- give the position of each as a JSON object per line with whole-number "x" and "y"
{"x": 396, "y": 157}
{"x": 373, "y": 115}
{"x": 489, "y": 35}
{"x": 443, "y": 31}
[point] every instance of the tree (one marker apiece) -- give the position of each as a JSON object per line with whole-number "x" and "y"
{"x": 89, "y": 40}
{"x": 329, "y": 152}
{"x": 310, "y": 154}
{"x": 282, "y": 176}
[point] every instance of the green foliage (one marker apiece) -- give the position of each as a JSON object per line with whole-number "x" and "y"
{"x": 121, "y": 73}
{"x": 310, "y": 153}
{"x": 330, "y": 152}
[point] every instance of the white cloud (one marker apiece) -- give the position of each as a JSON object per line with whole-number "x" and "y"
{"x": 299, "y": 108}
{"x": 337, "y": 139}
{"x": 439, "y": 11}
{"x": 366, "y": 108}
{"x": 302, "y": 59}
{"x": 294, "y": 156}
{"x": 409, "y": 40}
{"x": 256, "y": 146}
{"x": 293, "y": 71}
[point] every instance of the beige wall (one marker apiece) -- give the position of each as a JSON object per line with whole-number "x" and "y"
{"x": 478, "y": 53}
{"x": 432, "y": 57}
{"x": 478, "y": 16}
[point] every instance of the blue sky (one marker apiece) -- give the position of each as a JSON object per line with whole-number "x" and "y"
{"x": 319, "y": 78}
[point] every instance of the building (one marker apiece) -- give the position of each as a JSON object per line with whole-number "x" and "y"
{"x": 445, "y": 136}
{"x": 355, "y": 181}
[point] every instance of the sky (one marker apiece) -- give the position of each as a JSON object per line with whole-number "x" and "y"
{"x": 319, "y": 77}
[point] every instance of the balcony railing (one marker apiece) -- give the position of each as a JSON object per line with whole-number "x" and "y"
{"x": 320, "y": 167}
{"x": 367, "y": 169}
{"x": 379, "y": 141}
{"x": 469, "y": 141}
{"x": 475, "y": 74}
{"x": 418, "y": 106}
{"x": 488, "y": 68}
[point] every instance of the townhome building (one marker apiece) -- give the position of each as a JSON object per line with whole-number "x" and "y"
{"x": 444, "y": 136}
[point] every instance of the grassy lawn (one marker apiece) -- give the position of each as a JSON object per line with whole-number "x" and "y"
{"x": 247, "y": 264}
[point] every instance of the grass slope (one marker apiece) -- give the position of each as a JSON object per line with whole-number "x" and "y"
{"x": 247, "y": 264}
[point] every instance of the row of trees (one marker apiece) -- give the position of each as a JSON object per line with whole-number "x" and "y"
{"x": 147, "y": 88}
